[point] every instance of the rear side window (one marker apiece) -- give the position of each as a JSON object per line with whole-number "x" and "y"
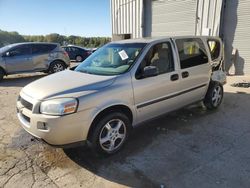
{"x": 83, "y": 50}
{"x": 214, "y": 48}
{"x": 73, "y": 49}
{"x": 70, "y": 49}
{"x": 191, "y": 52}
{"x": 42, "y": 48}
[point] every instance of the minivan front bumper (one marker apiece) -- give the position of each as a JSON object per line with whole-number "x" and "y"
{"x": 55, "y": 130}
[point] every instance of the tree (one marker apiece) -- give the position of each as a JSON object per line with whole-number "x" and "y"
{"x": 10, "y": 37}
{"x": 89, "y": 42}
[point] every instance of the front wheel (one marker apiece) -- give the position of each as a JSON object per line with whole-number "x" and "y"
{"x": 56, "y": 66}
{"x": 110, "y": 133}
{"x": 214, "y": 95}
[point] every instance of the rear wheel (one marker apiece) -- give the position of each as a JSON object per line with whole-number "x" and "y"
{"x": 1, "y": 74}
{"x": 79, "y": 58}
{"x": 110, "y": 133}
{"x": 214, "y": 95}
{"x": 56, "y": 66}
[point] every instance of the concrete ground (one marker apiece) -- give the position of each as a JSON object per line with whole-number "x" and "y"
{"x": 188, "y": 148}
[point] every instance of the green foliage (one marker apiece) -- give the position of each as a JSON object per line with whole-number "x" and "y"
{"x": 9, "y": 38}
{"x": 89, "y": 42}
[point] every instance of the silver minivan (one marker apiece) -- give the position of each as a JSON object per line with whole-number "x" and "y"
{"x": 32, "y": 57}
{"x": 121, "y": 85}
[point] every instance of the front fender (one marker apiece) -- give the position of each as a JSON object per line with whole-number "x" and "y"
{"x": 109, "y": 104}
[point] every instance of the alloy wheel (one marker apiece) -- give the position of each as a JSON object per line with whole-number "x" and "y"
{"x": 217, "y": 96}
{"x": 78, "y": 58}
{"x": 58, "y": 67}
{"x": 112, "y": 135}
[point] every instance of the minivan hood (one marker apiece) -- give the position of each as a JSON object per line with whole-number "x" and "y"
{"x": 65, "y": 83}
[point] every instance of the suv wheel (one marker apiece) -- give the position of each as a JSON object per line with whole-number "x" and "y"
{"x": 110, "y": 133}
{"x": 56, "y": 66}
{"x": 214, "y": 96}
{"x": 1, "y": 74}
{"x": 79, "y": 58}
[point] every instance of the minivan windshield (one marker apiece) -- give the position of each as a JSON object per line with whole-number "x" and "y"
{"x": 112, "y": 59}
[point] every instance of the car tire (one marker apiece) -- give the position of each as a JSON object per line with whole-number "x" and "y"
{"x": 57, "y": 66}
{"x": 79, "y": 58}
{"x": 110, "y": 133}
{"x": 1, "y": 74}
{"x": 214, "y": 95}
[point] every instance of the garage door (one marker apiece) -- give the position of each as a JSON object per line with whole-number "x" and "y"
{"x": 237, "y": 35}
{"x": 173, "y": 17}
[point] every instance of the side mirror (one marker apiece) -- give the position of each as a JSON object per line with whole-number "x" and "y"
{"x": 6, "y": 54}
{"x": 150, "y": 71}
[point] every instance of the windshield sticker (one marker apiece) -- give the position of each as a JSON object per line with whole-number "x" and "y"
{"x": 123, "y": 55}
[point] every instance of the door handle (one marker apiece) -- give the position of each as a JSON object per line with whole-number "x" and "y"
{"x": 185, "y": 74}
{"x": 174, "y": 77}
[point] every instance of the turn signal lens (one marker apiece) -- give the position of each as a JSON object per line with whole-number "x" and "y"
{"x": 70, "y": 108}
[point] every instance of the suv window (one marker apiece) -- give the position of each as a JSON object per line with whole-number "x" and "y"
{"x": 160, "y": 56}
{"x": 65, "y": 48}
{"x": 75, "y": 49}
{"x": 214, "y": 48}
{"x": 191, "y": 52}
{"x": 20, "y": 50}
{"x": 70, "y": 49}
{"x": 42, "y": 48}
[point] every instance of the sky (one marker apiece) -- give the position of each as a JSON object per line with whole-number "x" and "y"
{"x": 66, "y": 17}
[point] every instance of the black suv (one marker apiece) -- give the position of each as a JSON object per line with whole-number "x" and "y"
{"x": 77, "y": 53}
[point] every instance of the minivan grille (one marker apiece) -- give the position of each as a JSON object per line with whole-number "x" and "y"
{"x": 26, "y": 104}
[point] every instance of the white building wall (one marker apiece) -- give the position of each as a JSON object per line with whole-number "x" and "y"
{"x": 145, "y": 18}
{"x": 173, "y": 17}
{"x": 165, "y": 17}
{"x": 209, "y": 17}
{"x": 126, "y": 17}
{"x": 186, "y": 17}
{"x": 236, "y": 30}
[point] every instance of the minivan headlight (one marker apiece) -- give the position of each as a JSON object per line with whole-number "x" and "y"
{"x": 60, "y": 107}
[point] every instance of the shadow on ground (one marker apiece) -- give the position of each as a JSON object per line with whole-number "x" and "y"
{"x": 118, "y": 167}
{"x": 191, "y": 147}
{"x": 178, "y": 149}
{"x": 20, "y": 80}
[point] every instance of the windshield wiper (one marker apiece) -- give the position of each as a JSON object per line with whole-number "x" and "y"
{"x": 84, "y": 71}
